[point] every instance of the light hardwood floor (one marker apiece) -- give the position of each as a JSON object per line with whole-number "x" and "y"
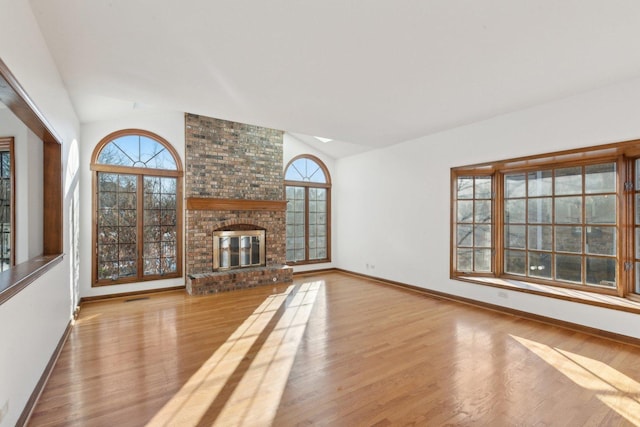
{"x": 336, "y": 350}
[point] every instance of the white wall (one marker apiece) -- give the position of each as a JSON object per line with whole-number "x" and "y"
{"x": 394, "y": 203}
{"x": 170, "y": 126}
{"x": 293, "y": 147}
{"x": 33, "y": 321}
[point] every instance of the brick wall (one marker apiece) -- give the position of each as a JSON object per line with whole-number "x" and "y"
{"x": 228, "y": 160}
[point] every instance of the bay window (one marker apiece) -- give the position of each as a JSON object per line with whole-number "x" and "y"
{"x": 567, "y": 219}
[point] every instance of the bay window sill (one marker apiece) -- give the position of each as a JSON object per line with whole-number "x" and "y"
{"x": 574, "y": 295}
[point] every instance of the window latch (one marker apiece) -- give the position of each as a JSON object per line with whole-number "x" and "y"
{"x": 628, "y": 186}
{"x": 628, "y": 266}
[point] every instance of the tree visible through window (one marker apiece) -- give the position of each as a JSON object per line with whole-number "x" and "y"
{"x": 138, "y": 209}
{"x": 308, "y": 190}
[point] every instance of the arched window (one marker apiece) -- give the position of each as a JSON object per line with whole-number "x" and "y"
{"x": 137, "y": 204}
{"x": 308, "y": 189}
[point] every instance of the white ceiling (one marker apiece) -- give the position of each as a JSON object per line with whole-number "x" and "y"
{"x": 370, "y": 72}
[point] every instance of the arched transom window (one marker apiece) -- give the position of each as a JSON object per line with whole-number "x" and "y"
{"x": 137, "y": 203}
{"x": 308, "y": 190}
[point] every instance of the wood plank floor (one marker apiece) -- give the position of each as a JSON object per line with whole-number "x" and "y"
{"x": 336, "y": 350}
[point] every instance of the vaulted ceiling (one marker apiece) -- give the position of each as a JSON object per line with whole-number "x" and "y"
{"x": 373, "y": 73}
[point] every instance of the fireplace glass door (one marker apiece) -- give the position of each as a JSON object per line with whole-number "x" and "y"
{"x": 238, "y": 249}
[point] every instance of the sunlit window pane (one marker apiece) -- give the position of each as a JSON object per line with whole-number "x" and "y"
{"x": 540, "y": 264}
{"x": 540, "y": 183}
{"x": 568, "y": 181}
{"x": 515, "y": 262}
{"x": 514, "y": 186}
{"x": 600, "y": 178}
{"x": 569, "y": 268}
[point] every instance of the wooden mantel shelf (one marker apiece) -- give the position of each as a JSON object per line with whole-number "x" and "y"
{"x": 206, "y": 203}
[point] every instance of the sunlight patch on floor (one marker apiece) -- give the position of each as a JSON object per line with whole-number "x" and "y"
{"x": 191, "y": 402}
{"x": 256, "y": 399}
{"x": 613, "y": 388}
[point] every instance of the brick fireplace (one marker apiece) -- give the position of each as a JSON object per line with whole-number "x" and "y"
{"x": 233, "y": 181}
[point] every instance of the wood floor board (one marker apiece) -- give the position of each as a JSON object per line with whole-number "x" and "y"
{"x": 335, "y": 350}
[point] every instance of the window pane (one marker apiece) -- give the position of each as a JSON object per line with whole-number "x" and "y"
{"x": 464, "y": 259}
{"x": 637, "y": 289}
{"x": 168, "y": 217}
{"x": 637, "y": 207}
{"x": 151, "y": 266}
{"x": 107, "y": 217}
{"x": 569, "y": 239}
{"x": 540, "y": 210}
{"x": 137, "y": 151}
{"x": 514, "y": 236}
{"x": 465, "y": 188}
{"x": 483, "y": 211}
{"x": 540, "y": 183}
{"x": 568, "y": 181}
{"x": 465, "y": 211}
{"x": 514, "y": 211}
{"x": 637, "y": 243}
{"x": 305, "y": 169}
{"x": 322, "y": 206}
{"x": 116, "y": 231}
{"x": 127, "y": 268}
{"x": 108, "y": 270}
{"x": 107, "y": 252}
{"x": 168, "y": 201}
{"x": 483, "y": 188}
{"x": 107, "y": 182}
{"x": 601, "y": 271}
{"x": 126, "y": 234}
{"x": 290, "y": 191}
{"x": 568, "y": 210}
{"x": 540, "y": 237}
{"x": 482, "y": 260}
{"x": 515, "y": 262}
{"x": 108, "y": 235}
{"x": 152, "y": 250}
{"x": 514, "y": 185}
{"x": 464, "y": 235}
{"x": 600, "y": 178}
{"x": 569, "y": 268}
{"x": 600, "y": 209}
{"x": 482, "y": 235}
{"x": 540, "y": 264}
{"x": 107, "y": 199}
{"x": 127, "y": 200}
{"x": 601, "y": 240}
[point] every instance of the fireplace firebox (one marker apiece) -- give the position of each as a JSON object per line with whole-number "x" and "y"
{"x": 238, "y": 249}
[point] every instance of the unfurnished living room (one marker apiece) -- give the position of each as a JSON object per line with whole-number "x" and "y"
{"x": 335, "y": 213}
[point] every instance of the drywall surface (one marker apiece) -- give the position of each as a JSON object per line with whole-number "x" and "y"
{"x": 394, "y": 203}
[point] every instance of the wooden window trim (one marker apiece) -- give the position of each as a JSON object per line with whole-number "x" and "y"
{"x": 622, "y": 153}
{"x": 140, "y": 173}
{"x": 307, "y": 185}
{"x": 13, "y": 95}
